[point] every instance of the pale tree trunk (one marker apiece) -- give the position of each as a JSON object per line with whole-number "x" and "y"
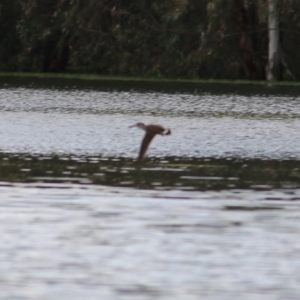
{"x": 273, "y": 70}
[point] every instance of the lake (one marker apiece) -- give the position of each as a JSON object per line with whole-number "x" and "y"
{"x": 212, "y": 212}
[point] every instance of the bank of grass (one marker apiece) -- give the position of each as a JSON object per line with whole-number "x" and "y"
{"x": 144, "y": 79}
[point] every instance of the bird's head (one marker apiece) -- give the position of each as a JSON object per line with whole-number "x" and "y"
{"x": 139, "y": 125}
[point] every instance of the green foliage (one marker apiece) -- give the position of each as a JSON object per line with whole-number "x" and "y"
{"x": 150, "y": 38}
{"x": 10, "y": 43}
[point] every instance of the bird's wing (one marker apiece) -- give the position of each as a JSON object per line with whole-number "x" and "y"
{"x": 145, "y": 144}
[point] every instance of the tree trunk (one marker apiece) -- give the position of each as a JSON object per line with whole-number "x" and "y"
{"x": 273, "y": 68}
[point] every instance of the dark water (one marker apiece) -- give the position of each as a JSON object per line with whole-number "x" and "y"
{"x": 168, "y": 173}
{"x": 213, "y": 211}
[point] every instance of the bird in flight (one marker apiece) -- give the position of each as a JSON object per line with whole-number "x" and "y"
{"x": 151, "y": 130}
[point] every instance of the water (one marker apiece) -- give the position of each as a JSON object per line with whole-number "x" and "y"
{"x": 95, "y": 121}
{"x": 212, "y": 212}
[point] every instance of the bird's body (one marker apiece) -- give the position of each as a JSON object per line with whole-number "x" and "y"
{"x": 151, "y": 130}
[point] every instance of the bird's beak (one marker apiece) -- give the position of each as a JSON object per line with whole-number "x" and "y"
{"x": 132, "y": 126}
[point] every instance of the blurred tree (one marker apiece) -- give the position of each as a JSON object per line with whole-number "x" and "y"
{"x": 160, "y": 38}
{"x": 245, "y": 24}
{"x": 10, "y": 43}
{"x": 273, "y": 66}
{"x": 43, "y": 36}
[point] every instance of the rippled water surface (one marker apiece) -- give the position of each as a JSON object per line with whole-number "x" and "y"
{"x": 213, "y": 212}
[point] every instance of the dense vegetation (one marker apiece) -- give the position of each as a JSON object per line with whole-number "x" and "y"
{"x": 153, "y": 38}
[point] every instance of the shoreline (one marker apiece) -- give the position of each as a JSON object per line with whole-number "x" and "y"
{"x": 95, "y": 77}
